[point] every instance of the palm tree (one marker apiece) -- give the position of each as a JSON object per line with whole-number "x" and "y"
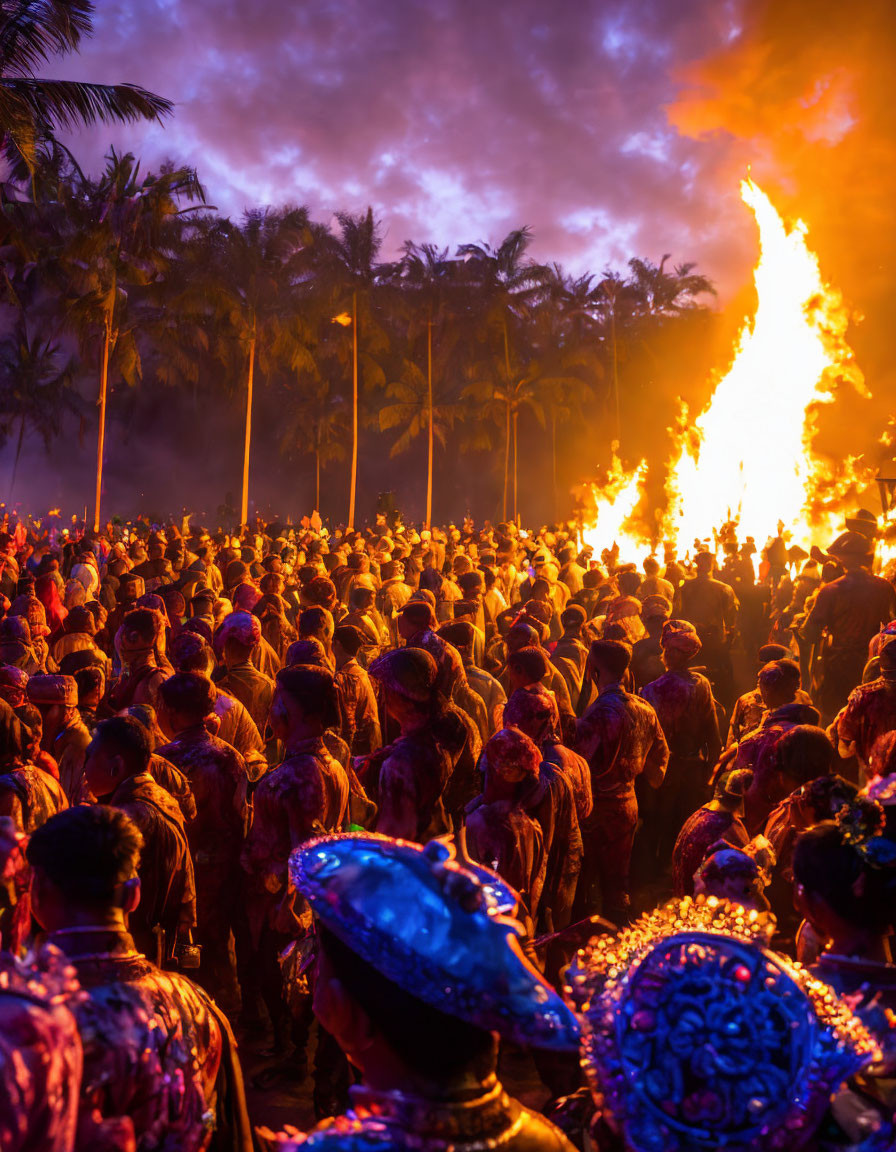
{"x": 348, "y": 267}
{"x": 33, "y": 109}
{"x": 315, "y": 417}
{"x": 431, "y": 279}
{"x": 35, "y": 390}
{"x": 504, "y": 284}
{"x": 663, "y": 293}
{"x": 116, "y": 236}
{"x": 616, "y": 302}
{"x": 247, "y": 276}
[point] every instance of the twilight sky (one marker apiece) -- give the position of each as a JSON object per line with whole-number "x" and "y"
{"x": 457, "y": 119}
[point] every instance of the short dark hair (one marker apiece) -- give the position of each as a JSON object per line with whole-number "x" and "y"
{"x": 349, "y": 638}
{"x": 311, "y": 619}
{"x": 142, "y": 623}
{"x": 87, "y": 851}
{"x": 628, "y": 582}
{"x": 189, "y": 693}
{"x": 804, "y": 753}
{"x": 313, "y": 689}
{"x": 458, "y": 632}
{"x": 439, "y": 1045}
{"x": 130, "y": 740}
{"x": 530, "y": 662}
{"x": 612, "y": 656}
{"x": 829, "y": 867}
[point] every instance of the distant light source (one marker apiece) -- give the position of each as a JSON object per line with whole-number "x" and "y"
{"x": 343, "y": 318}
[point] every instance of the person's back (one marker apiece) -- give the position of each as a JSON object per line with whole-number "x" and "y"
{"x": 157, "y": 1052}
{"x": 870, "y": 711}
{"x": 429, "y": 1060}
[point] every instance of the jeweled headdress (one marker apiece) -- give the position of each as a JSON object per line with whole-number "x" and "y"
{"x": 441, "y": 929}
{"x": 697, "y": 1036}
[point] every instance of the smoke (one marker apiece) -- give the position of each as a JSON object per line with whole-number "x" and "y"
{"x": 804, "y": 93}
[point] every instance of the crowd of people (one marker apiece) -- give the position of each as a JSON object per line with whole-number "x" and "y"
{"x": 390, "y": 804}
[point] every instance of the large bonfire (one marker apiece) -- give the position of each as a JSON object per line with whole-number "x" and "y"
{"x": 750, "y": 456}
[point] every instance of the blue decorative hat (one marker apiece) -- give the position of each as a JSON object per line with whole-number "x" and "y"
{"x": 697, "y": 1037}
{"x": 441, "y": 929}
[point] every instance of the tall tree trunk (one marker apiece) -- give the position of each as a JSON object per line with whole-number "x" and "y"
{"x": 15, "y": 463}
{"x": 507, "y": 442}
{"x": 101, "y": 437}
{"x": 515, "y": 440}
{"x": 354, "y": 477}
{"x": 615, "y": 369}
{"x": 244, "y": 502}
{"x": 317, "y": 478}
{"x": 429, "y": 424}
{"x": 554, "y": 462}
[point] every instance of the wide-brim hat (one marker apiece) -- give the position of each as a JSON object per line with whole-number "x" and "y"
{"x": 440, "y": 929}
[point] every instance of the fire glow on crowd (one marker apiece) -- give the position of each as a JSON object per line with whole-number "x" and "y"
{"x": 382, "y": 835}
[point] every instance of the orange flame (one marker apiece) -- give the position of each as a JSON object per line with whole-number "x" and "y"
{"x": 615, "y": 504}
{"x": 749, "y": 456}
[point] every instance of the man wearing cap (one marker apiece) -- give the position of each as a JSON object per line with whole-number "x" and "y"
{"x": 416, "y": 624}
{"x": 360, "y": 714}
{"x": 409, "y": 778}
{"x": 160, "y": 1063}
{"x": 117, "y": 773}
{"x": 570, "y": 652}
{"x": 709, "y": 604}
{"x": 749, "y": 709}
{"x": 647, "y": 654}
{"x": 416, "y": 1018}
{"x": 64, "y": 737}
{"x": 306, "y": 795}
{"x": 238, "y": 636}
{"x": 870, "y": 711}
{"x": 136, "y": 642}
{"x": 501, "y": 832}
{"x": 460, "y": 634}
{"x": 29, "y": 796}
{"x": 719, "y": 819}
{"x": 218, "y": 777}
{"x": 621, "y": 738}
{"x": 653, "y": 584}
{"x": 778, "y": 685}
{"x": 684, "y": 704}
{"x": 849, "y": 612}
{"x": 16, "y": 648}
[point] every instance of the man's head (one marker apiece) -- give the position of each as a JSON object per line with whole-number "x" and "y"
{"x": 651, "y": 566}
{"x": 704, "y": 563}
{"x": 120, "y": 748}
{"x": 804, "y": 753}
{"x": 522, "y": 635}
{"x": 731, "y": 788}
{"x": 512, "y": 762}
{"x": 190, "y": 652}
{"x": 679, "y": 642}
{"x": 415, "y": 617}
{"x": 608, "y": 662}
{"x": 139, "y": 632}
{"x": 628, "y": 582}
{"x": 56, "y": 698}
{"x": 305, "y": 704}
{"x": 526, "y": 666}
{"x": 347, "y": 643}
{"x": 84, "y": 864}
{"x": 778, "y": 683}
{"x": 572, "y": 619}
{"x": 240, "y": 632}
{"x": 534, "y": 711}
{"x": 460, "y": 633}
{"x": 317, "y": 623}
{"x": 187, "y": 700}
{"x": 408, "y": 677}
